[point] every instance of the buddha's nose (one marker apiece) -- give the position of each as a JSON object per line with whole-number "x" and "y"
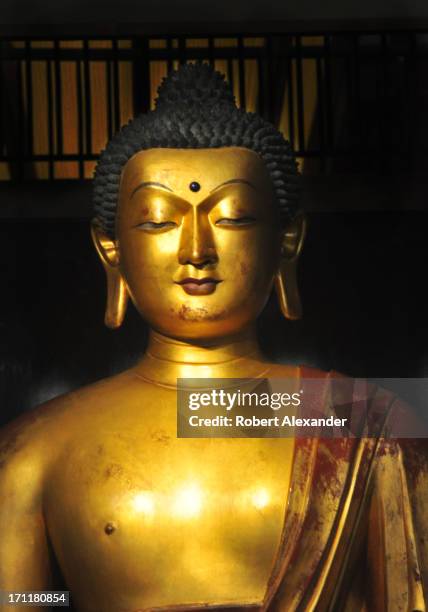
{"x": 197, "y": 242}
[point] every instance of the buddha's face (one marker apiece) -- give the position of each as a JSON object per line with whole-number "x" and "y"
{"x": 198, "y": 239}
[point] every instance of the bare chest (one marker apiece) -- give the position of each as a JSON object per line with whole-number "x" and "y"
{"x": 138, "y": 517}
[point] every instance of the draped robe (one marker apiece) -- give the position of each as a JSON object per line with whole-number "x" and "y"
{"x": 355, "y": 532}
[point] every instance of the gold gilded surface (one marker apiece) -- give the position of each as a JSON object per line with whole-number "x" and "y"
{"x": 226, "y": 231}
{"x": 194, "y": 521}
{"x": 136, "y": 518}
{"x": 96, "y": 484}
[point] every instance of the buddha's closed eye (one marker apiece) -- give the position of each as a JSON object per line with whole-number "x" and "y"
{"x": 223, "y": 222}
{"x": 152, "y": 225}
{"x": 238, "y": 221}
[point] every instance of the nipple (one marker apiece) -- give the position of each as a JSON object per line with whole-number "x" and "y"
{"x": 109, "y": 528}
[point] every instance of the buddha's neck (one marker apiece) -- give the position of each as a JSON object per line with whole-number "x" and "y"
{"x": 167, "y": 359}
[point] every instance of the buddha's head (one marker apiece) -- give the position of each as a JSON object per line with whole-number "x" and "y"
{"x": 197, "y": 212}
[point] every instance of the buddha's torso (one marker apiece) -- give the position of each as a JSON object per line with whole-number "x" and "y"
{"x": 141, "y": 519}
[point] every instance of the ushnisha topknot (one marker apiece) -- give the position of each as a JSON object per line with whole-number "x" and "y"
{"x": 195, "y": 109}
{"x": 193, "y": 86}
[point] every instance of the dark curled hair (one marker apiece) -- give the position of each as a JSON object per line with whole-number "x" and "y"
{"x": 195, "y": 109}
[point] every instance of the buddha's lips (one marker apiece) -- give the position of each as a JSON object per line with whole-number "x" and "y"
{"x": 199, "y": 286}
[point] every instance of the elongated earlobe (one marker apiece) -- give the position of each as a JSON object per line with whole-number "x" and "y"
{"x": 288, "y": 292}
{"x": 117, "y": 301}
{"x": 117, "y": 293}
{"x": 286, "y": 278}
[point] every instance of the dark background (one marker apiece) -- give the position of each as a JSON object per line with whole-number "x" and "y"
{"x": 175, "y": 11}
{"x": 362, "y": 272}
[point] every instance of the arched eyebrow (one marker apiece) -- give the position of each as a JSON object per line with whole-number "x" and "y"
{"x": 150, "y": 184}
{"x": 231, "y": 181}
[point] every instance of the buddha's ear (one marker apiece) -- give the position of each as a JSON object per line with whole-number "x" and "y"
{"x": 117, "y": 293}
{"x": 292, "y": 239}
{"x": 106, "y": 247}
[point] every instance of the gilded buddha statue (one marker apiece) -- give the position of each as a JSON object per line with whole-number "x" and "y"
{"x": 197, "y": 221}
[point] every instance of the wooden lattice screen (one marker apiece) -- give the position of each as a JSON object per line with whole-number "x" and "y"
{"x": 343, "y": 100}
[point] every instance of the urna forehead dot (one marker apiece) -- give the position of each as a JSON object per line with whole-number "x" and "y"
{"x": 194, "y": 186}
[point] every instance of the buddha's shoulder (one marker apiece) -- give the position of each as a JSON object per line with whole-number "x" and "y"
{"x": 48, "y": 426}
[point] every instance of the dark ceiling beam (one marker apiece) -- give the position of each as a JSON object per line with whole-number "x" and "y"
{"x": 73, "y": 30}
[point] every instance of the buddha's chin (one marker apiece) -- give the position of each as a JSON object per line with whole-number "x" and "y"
{"x": 199, "y": 323}
{"x": 202, "y": 335}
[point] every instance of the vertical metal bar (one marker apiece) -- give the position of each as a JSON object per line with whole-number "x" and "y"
{"x": 21, "y": 148}
{"x": 181, "y": 50}
{"x": 211, "y": 58}
{"x": 329, "y": 131}
{"x": 230, "y": 76}
{"x": 320, "y": 94}
{"x": 29, "y": 93}
{"x": 300, "y": 101}
{"x": 88, "y": 114}
{"x": 170, "y": 53}
{"x": 270, "y": 87}
{"x": 80, "y": 134}
{"x": 58, "y": 97}
{"x": 290, "y": 101}
{"x": 241, "y": 70}
{"x": 141, "y": 76}
{"x": 108, "y": 67}
{"x": 116, "y": 87}
{"x": 50, "y": 119}
{"x": 145, "y": 48}
{"x": 12, "y": 115}
{"x": 261, "y": 93}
